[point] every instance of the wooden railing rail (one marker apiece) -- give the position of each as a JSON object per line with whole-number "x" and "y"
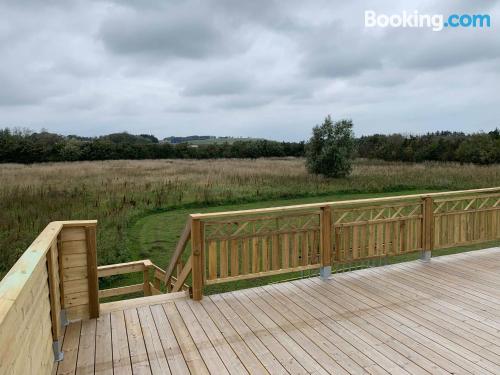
{"x": 152, "y": 278}
{"x": 235, "y": 245}
{"x": 176, "y": 258}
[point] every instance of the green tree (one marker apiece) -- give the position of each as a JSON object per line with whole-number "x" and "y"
{"x": 330, "y": 149}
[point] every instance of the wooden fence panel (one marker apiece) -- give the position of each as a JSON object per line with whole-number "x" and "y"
{"x": 261, "y": 245}
{"x": 466, "y": 220}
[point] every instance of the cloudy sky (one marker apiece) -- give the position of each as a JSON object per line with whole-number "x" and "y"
{"x": 256, "y": 68}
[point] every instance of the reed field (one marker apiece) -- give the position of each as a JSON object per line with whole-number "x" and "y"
{"x": 125, "y": 195}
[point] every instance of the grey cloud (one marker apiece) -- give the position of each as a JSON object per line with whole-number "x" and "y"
{"x": 166, "y": 33}
{"x": 266, "y": 68}
{"x": 217, "y": 87}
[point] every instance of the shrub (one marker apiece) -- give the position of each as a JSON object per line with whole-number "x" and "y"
{"x": 330, "y": 149}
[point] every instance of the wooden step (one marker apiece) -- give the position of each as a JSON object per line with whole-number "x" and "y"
{"x": 142, "y": 301}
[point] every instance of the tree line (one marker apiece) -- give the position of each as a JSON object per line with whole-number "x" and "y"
{"x": 477, "y": 148}
{"x": 22, "y": 146}
{"x": 28, "y": 147}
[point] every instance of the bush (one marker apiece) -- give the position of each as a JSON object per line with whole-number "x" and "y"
{"x": 330, "y": 149}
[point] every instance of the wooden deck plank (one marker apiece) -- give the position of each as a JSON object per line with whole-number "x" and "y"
{"x": 157, "y": 359}
{"x": 297, "y": 334}
{"x": 382, "y": 357}
{"x": 205, "y": 347}
{"x": 438, "y": 326}
{"x": 138, "y": 355}
{"x": 70, "y": 348}
{"x": 413, "y": 318}
{"x": 121, "y": 354}
{"x": 226, "y": 353}
{"x": 251, "y": 362}
{"x": 344, "y": 345}
{"x": 86, "y": 350}
{"x": 103, "y": 346}
{"x": 280, "y": 353}
{"x": 291, "y": 346}
{"x": 439, "y": 309}
{"x": 169, "y": 343}
{"x": 441, "y": 356}
{"x": 189, "y": 350}
{"x": 444, "y": 337}
{"x": 415, "y": 356}
{"x": 439, "y": 321}
{"x": 259, "y": 349}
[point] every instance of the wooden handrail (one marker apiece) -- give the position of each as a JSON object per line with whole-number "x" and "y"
{"x": 333, "y": 204}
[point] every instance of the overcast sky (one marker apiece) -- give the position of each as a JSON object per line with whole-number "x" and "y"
{"x": 256, "y": 68}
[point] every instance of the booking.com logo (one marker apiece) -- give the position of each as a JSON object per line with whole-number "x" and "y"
{"x": 435, "y": 21}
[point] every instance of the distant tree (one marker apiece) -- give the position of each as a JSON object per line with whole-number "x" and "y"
{"x": 330, "y": 149}
{"x": 151, "y": 137}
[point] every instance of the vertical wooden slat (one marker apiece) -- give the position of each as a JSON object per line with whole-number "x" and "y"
{"x": 212, "y": 260}
{"x": 355, "y": 242}
{"x": 347, "y": 243}
{"x": 197, "y": 258}
{"x": 285, "y": 258}
{"x": 371, "y": 240}
{"x": 338, "y": 242}
{"x": 265, "y": 254}
{"x": 275, "y": 252}
{"x": 394, "y": 238}
{"x": 304, "y": 248}
{"x": 387, "y": 239}
{"x": 245, "y": 257}
{"x": 315, "y": 246}
{"x": 55, "y": 306}
{"x": 494, "y": 229}
{"x": 255, "y": 255}
{"x": 295, "y": 250}
{"x": 223, "y": 259}
{"x": 427, "y": 224}
{"x": 90, "y": 232}
{"x": 402, "y": 237}
{"x": 235, "y": 262}
{"x": 362, "y": 241}
{"x": 380, "y": 239}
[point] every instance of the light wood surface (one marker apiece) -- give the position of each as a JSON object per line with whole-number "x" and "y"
{"x": 32, "y": 295}
{"x": 441, "y": 317}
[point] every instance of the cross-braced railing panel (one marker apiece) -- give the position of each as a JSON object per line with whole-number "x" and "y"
{"x": 466, "y": 220}
{"x": 244, "y": 247}
{"x": 376, "y": 231}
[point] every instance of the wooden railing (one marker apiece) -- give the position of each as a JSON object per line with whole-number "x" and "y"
{"x": 55, "y": 280}
{"x": 235, "y": 245}
{"x": 153, "y": 278}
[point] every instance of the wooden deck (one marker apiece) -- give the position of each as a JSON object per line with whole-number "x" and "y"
{"x": 412, "y": 318}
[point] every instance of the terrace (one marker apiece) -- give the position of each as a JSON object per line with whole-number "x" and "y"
{"x": 438, "y": 314}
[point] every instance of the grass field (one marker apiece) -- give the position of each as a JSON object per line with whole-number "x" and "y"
{"x": 142, "y": 205}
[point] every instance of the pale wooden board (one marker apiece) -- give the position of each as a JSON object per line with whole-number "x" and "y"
{"x": 103, "y": 346}
{"x": 138, "y": 354}
{"x": 417, "y": 318}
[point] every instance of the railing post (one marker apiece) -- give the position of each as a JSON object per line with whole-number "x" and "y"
{"x": 90, "y": 234}
{"x": 427, "y": 229}
{"x": 197, "y": 258}
{"x": 146, "y": 288}
{"x": 326, "y": 243}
